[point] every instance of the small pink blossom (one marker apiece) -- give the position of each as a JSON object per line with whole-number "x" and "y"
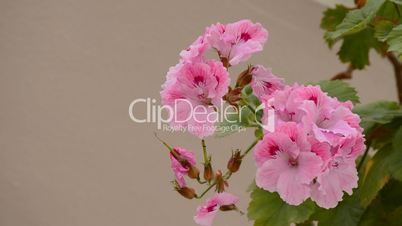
{"x": 312, "y": 94}
{"x": 288, "y": 136}
{"x": 192, "y": 90}
{"x": 327, "y": 123}
{"x": 195, "y": 52}
{"x": 322, "y": 149}
{"x": 352, "y": 146}
{"x": 181, "y": 166}
{"x": 340, "y": 175}
{"x": 206, "y": 212}
{"x": 286, "y": 103}
{"x": 289, "y": 175}
{"x": 264, "y": 82}
{"x": 237, "y": 41}
{"x": 288, "y": 167}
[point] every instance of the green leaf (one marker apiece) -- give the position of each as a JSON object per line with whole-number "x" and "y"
{"x": 356, "y": 47}
{"x": 383, "y": 209}
{"x": 382, "y": 29}
{"x": 380, "y": 112}
{"x": 395, "y": 165}
{"x": 394, "y": 40}
{"x": 374, "y": 214}
{"x": 391, "y": 195}
{"x": 386, "y": 162}
{"x": 390, "y": 11}
{"x": 249, "y": 98}
{"x": 399, "y": 2}
{"x": 395, "y": 218}
{"x": 397, "y": 141}
{"x": 339, "y": 89}
{"x": 376, "y": 175}
{"x": 356, "y": 20}
{"x": 383, "y": 135}
{"x": 347, "y": 213}
{"x": 332, "y": 17}
{"x": 268, "y": 209}
{"x": 380, "y": 120}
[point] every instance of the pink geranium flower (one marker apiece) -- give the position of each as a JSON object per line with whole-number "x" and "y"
{"x": 327, "y": 123}
{"x": 195, "y": 52}
{"x": 286, "y": 103}
{"x": 335, "y": 139}
{"x": 288, "y": 136}
{"x": 264, "y": 82}
{"x": 181, "y": 164}
{"x": 206, "y": 212}
{"x": 192, "y": 90}
{"x": 340, "y": 175}
{"x": 237, "y": 41}
{"x": 285, "y": 164}
{"x": 352, "y": 146}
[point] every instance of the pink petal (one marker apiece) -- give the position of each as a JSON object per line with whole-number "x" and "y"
{"x": 291, "y": 189}
{"x": 268, "y": 174}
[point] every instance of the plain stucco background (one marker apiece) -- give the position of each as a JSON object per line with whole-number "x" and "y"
{"x": 69, "y": 153}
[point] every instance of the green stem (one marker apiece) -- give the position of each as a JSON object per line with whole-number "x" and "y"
{"x": 204, "y": 151}
{"x": 364, "y": 156}
{"x": 249, "y": 148}
{"x": 163, "y": 142}
{"x": 206, "y": 191}
{"x": 200, "y": 181}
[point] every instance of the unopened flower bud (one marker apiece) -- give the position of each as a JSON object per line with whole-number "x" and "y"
{"x": 235, "y": 162}
{"x": 228, "y": 207}
{"x": 225, "y": 62}
{"x": 186, "y": 192}
{"x": 233, "y": 96}
{"x": 208, "y": 172}
{"x": 220, "y": 182}
{"x": 193, "y": 172}
{"x": 244, "y": 78}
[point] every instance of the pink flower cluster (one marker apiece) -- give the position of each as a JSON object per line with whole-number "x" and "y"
{"x": 312, "y": 151}
{"x": 196, "y": 85}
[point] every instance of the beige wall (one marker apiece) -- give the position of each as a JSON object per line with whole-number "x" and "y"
{"x": 69, "y": 154}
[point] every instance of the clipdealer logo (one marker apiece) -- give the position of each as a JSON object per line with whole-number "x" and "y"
{"x": 163, "y": 115}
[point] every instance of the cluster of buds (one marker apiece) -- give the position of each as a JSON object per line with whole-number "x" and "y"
{"x": 183, "y": 164}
